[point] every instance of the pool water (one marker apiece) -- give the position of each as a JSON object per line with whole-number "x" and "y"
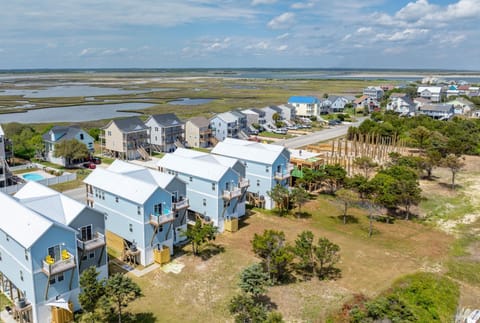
{"x": 33, "y": 177}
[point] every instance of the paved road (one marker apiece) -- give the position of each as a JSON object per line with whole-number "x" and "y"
{"x": 322, "y": 135}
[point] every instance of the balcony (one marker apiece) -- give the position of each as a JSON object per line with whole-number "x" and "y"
{"x": 157, "y": 220}
{"x": 97, "y": 242}
{"x": 183, "y": 204}
{"x": 56, "y": 267}
{"x": 243, "y": 183}
{"x": 289, "y": 167}
{"x": 231, "y": 194}
{"x": 281, "y": 175}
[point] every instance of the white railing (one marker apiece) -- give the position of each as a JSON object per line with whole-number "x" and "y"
{"x": 243, "y": 183}
{"x": 161, "y": 219}
{"x": 59, "y": 265}
{"x": 231, "y": 194}
{"x": 180, "y": 204}
{"x": 282, "y": 175}
{"x": 97, "y": 241}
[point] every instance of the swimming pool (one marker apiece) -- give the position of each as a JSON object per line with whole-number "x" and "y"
{"x": 33, "y": 177}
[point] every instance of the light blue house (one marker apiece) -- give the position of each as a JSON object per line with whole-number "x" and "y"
{"x": 58, "y": 134}
{"x": 39, "y": 251}
{"x": 229, "y": 124}
{"x": 216, "y": 185}
{"x": 145, "y": 210}
{"x": 266, "y": 165}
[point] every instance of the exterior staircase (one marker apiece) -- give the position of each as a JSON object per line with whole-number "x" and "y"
{"x": 179, "y": 144}
{"x": 141, "y": 150}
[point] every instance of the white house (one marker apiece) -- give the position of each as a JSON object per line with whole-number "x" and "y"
{"x": 374, "y": 92}
{"x": 166, "y": 132}
{"x": 305, "y": 106}
{"x": 432, "y": 93}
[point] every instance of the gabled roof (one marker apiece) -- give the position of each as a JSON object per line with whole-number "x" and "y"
{"x": 130, "y": 124}
{"x": 200, "y": 122}
{"x": 61, "y": 133}
{"x": 226, "y": 117}
{"x": 21, "y": 223}
{"x": 238, "y": 114}
{"x": 122, "y": 185}
{"x": 303, "y": 99}
{"x": 147, "y": 175}
{"x": 166, "y": 120}
{"x": 222, "y": 160}
{"x": 397, "y": 95}
{"x": 361, "y": 99}
{"x": 376, "y": 88}
{"x": 274, "y": 108}
{"x": 431, "y": 89}
{"x": 49, "y": 203}
{"x": 249, "y": 150}
{"x": 259, "y": 111}
{"x": 437, "y": 107}
{"x": 204, "y": 167}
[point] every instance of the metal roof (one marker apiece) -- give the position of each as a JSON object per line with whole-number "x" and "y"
{"x": 130, "y": 124}
{"x": 303, "y": 99}
{"x": 141, "y": 173}
{"x": 249, "y": 150}
{"x": 200, "y": 122}
{"x": 166, "y": 120}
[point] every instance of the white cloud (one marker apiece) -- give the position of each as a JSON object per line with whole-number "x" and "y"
{"x": 283, "y": 36}
{"x": 263, "y": 45}
{"x": 302, "y": 5}
{"x": 346, "y": 37}
{"x": 97, "y": 52}
{"x": 257, "y": 2}
{"x": 283, "y": 21}
{"x": 416, "y": 10}
{"x": 282, "y": 48}
{"x": 364, "y": 30}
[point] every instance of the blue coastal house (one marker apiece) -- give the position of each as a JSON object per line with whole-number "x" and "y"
{"x": 216, "y": 185}
{"x": 58, "y": 134}
{"x": 145, "y": 210}
{"x": 40, "y": 254}
{"x": 266, "y": 165}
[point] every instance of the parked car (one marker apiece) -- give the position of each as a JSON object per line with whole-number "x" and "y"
{"x": 96, "y": 160}
{"x": 89, "y": 165}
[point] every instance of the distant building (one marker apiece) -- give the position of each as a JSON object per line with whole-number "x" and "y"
{"x": 374, "y": 92}
{"x": 166, "y": 132}
{"x": 228, "y": 124}
{"x": 437, "y": 111}
{"x": 401, "y": 104}
{"x": 58, "y": 134}
{"x": 126, "y": 139}
{"x": 6, "y": 152}
{"x": 432, "y": 93}
{"x": 266, "y": 165}
{"x": 305, "y": 106}
{"x": 198, "y": 132}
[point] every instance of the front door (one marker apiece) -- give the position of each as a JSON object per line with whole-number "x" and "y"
{"x": 174, "y": 197}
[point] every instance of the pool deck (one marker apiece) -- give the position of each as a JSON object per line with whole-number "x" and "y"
{"x": 42, "y": 173}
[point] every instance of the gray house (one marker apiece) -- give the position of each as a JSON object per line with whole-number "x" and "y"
{"x": 437, "y": 111}
{"x": 58, "y": 134}
{"x": 166, "y": 132}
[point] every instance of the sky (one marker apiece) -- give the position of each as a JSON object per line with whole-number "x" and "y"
{"x": 400, "y": 34}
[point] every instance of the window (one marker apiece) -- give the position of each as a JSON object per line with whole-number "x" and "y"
{"x": 60, "y": 277}
{"x": 156, "y": 129}
{"x": 160, "y": 228}
{"x": 191, "y": 178}
{"x": 0, "y": 256}
{"x": 204, "y": 202}
{"x": 109, "y": 133}
{"x": 213, "y": 186}
{"x": 258, "y": 182}
{"x": 266, "y": 169}
{"x": 54, "y": 252}
{"x": 130, "y": 227}
{"x": 7, "y": 237}
{"x": 139, "y": 210}
{"x": 91, "y": 255}
{"x": 103, "y": 195}
{"x": 157, "y": 209}
{"x": 81, "y": 136}
{"x": 86, "y": 233}
{"x": 116, "y": 199}
{"x": 26, "y": 254}
{"x": 52, "y": 280}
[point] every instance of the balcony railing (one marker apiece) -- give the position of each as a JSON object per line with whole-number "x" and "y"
{"x": 289, "y": 167}
{"x": 97, "y": 242}
{"x": 281, "y": 175}
{"x": 59, "y": 266}
{"x": 243, "y": 183}
{"x": 161, "y": 219}
{"x": 231, "y": 194}
{"x": 180, "y": 204}
{"x": 89, "y": 196}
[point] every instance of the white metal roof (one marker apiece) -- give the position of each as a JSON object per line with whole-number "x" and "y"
{"x": 203, "y": 168}
{"x": 21, "y": 223}
{"x": 49, "y": 203}
{"x": 122, "y": 185}
{"x": 222, "y": 160}
{"x": 249, "y": 150}
{"x": 141, "y": 173}
{"x": 432, "y": 89}
{"x": 302, "y": 154}
{"x": 228, "y": 117}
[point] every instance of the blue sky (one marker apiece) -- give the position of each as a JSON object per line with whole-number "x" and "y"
{"x": 241, "y": 33}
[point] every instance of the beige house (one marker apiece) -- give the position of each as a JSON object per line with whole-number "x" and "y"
{"x": 198, "y": 132}
{"x": 127, "y": 139}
